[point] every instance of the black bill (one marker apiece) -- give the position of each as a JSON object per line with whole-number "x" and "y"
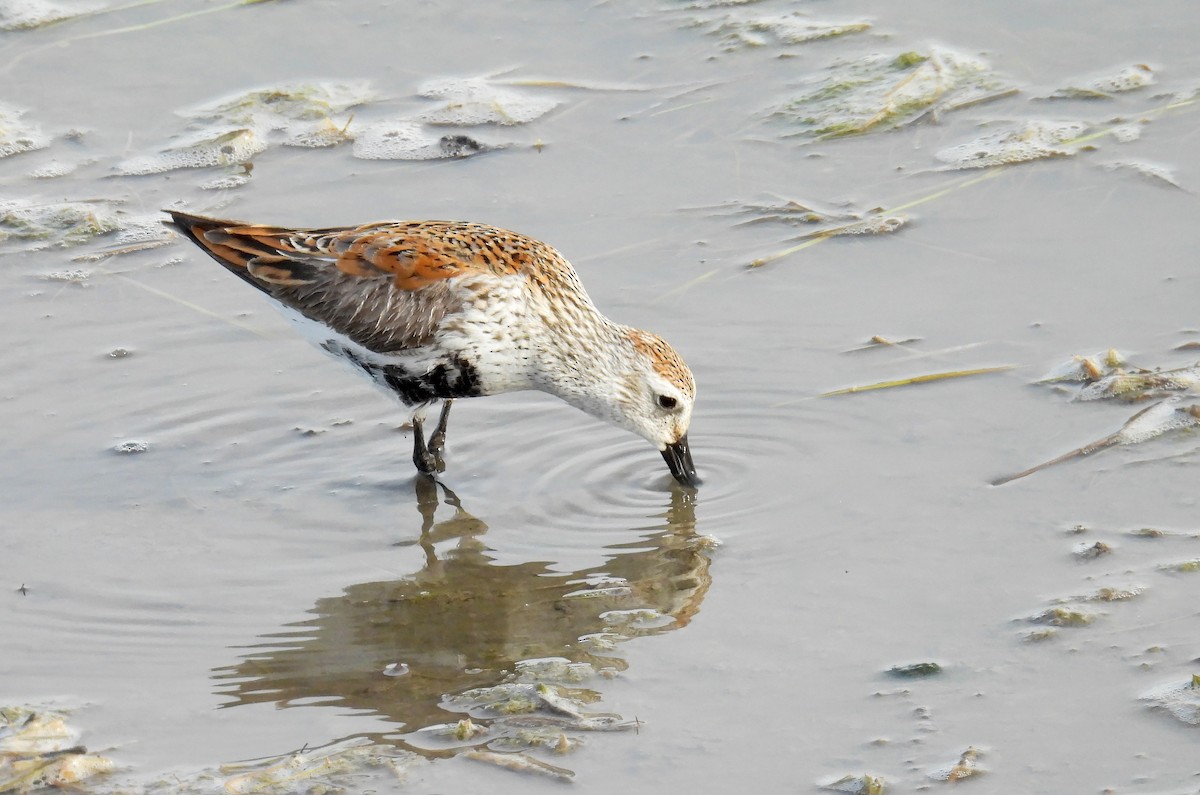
{"x": 679, "y": 459}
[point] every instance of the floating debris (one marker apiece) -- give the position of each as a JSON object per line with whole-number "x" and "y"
{"x": 30, "y": 14}
{"x": 281, "y": 107}
{"x": 135, "y": 233}
{"x": 699, "y": 4}
{"x": 1141, "y": 384}
{"x": 1184, "y": 567}
{"x": 285, "y": 774}
{"x": 521, "y": 763}
{"x": 967, "y": 766}
{"x": 53, "y": 170}
{"x": 227, "y": 148}
{"x": 1085, "y": 368}
{"x": 1128, "y": 78}
{"x": 557, "y": 670}
{"x": 1125, "y": 133}
{"x": 517, "y": 699}
{"x": 524, "y": 714}
{"x": 37, "y": 749}
{"x": 77, "y": 276}
{"x": 463, "y": 730}
{"x": 886, "y": 92}
{"x": 1091, "y": 551}
{"x": 740, "y": 30}
{"x": 1110, "y": 594}
{"x": 861, "y": 784}
{"x": 915, "y": 670}
{"x": 1029, "y": 140}
{"x": 879, "y": 341}
{"x": 1181, "y": 700}
{"x": 636, "y": 619}
{"x": 477, "y": 101}
{"x": 333, "y": 769}
{"x": 795, "y": 213}
{"x": 63, "y": 769}
{"x": 131, "y": 447}
{"x": 232, "y": 131}
{"x": 401, "y": 139}
{"x": 1063, "y": 616}
{"x": 1040, "y": 635}
{"x": 227, "y": 182}
{"x": 27, "y": 731}
{"x": 917, "y": 379}
{"x": 877, "y": 225}
{"x": 549, "y": 737}
{"x": 1149, "y": 423}
{"x": 1148, "y": 532}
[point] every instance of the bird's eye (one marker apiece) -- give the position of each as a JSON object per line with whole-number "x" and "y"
{"x": 667, "y": 402}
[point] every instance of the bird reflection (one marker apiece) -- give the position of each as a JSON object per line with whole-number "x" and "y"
{"x": 462, "y": 621}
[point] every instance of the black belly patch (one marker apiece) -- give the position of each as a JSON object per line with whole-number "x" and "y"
{"x": 452, "y": 377}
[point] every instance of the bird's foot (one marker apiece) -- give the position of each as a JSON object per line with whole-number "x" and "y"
{"x": 428, "y": 461}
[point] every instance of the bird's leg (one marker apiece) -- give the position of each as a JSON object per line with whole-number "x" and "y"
{"x": 425, "y": 461}
{"x": 438, "y": 440}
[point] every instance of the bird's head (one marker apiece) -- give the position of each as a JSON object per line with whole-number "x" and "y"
{"x": 656, "y": 396}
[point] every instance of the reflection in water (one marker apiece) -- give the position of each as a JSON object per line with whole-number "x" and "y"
{"x": 462, "y": 622}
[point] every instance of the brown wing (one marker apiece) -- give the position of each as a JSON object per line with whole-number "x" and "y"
{"x": 384, "y": 285}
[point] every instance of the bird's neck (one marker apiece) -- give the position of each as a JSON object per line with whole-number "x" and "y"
{"x": 583, "y": 359}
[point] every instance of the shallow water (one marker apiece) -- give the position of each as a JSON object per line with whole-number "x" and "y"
{"x": 272, "y": 548}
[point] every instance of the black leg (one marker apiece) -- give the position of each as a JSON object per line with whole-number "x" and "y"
{"x": 424, "y": 460}
{"x": 437, "y": 442}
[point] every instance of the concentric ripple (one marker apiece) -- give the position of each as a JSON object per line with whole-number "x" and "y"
{"x": 585, "y": 475}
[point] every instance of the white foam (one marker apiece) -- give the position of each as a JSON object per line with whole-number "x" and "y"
{"x": 223, "y": 149}
{"x": 29, "y": 14}
{"x": 18, "y": 136}
{"x": 401, "y": 139}
{"x": 475, "y": 101}
{"x": 1029, "y": 140}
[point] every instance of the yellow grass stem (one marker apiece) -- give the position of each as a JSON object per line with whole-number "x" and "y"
{"x": 917, "y": 379}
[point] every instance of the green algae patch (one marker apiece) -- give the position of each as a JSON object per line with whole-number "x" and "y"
{"x": 35, "y": 226}
{"x": 27, "y": 225}
{"x": 921, "y": 670}
{"x": 1183, "y": 567}
{"x": 884, "y": 92}
{"x": 1063, "y": 616}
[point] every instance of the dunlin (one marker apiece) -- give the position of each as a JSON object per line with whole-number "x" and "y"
{"x": 440, "y": 310}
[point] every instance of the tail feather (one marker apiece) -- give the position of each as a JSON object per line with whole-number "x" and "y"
{"x": 236, "y": 260}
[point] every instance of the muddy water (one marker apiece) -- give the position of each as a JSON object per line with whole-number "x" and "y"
{"x": 271, "y": 547}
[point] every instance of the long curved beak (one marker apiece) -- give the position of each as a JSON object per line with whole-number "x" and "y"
{"x": 679, "y": 459}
